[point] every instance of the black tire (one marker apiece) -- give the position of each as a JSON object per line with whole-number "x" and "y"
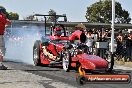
{"x": 81, "y": 80}
{"x": 66, "y": 64}
{"x": 36, "y": 53}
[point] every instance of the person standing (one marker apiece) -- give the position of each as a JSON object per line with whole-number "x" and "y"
{"x": 79, "y": 34}
{"x": 95, "y": 35}
{"x": 120, "y": 48}
{"x": 129, "y": 46}
{"x": 3, "y": 22}
{"x": 89, "y": 41}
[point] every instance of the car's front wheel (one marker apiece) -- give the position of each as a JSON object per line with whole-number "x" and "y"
{"x": 110, "y": 63}
{"x": 66, "y": 61}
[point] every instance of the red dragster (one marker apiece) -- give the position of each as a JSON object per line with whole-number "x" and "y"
{"x": 53, "y": 49}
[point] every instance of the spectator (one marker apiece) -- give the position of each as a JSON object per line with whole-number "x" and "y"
{"x": 89, "y": 40}
{"x": 104, "y": 36}
{"x": 100, "y": 35}
{"x": 95, "y": 35}
{"x": 3, "y": 22}
{"x": 119, "y": 49}
{"x": 80, "y": 29}
{"x": 129, "y": 46}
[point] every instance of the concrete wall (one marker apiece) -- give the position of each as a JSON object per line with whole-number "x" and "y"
{"x": 23, "y": 24}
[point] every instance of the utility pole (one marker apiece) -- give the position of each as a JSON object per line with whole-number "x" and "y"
{"x": 112, "y": 34}
{"x": 112, "y": 26}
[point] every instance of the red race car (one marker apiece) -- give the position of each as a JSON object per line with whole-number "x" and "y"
{"x": 59, "y": 48}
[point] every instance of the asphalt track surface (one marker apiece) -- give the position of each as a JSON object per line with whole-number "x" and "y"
{"x": 57, "y": 74}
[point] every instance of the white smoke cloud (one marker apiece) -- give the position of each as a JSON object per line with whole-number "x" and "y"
{"x": 19, "y": 43}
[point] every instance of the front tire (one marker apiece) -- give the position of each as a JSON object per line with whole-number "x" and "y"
{"x": 81, "y": 80}
{"x": 66, "y": 61}
{"x": 36, "y": 53}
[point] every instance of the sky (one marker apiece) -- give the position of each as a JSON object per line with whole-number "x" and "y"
{"x": 74, "y": 9}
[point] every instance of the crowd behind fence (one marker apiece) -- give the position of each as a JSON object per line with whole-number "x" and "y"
{"x": 99, "y": 43}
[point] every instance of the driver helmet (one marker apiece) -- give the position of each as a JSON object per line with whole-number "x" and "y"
{"x": 57, "y": 31}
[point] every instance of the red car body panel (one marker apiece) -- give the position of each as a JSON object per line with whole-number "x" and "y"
{"x": 92, "y": 61}
{"x": 45, "y": 60}
{"x": 55, "y": 48}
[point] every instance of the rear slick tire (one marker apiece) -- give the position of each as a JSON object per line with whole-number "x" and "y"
{"x": 36, "y": 53}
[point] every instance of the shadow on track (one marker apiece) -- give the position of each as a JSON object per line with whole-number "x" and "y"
{"x": 40, "y": 70}
{"x": 117, "y": 71}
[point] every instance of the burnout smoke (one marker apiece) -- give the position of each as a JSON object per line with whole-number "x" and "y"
{"x": 19, "y": 43}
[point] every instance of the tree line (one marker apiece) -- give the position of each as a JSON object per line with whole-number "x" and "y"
{"x": 101, "y": 12}
{"x": 98, "y": 12}
{"x": 11, "y": 15}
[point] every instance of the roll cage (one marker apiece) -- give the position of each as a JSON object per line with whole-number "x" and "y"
{"x": 55, "y": 23}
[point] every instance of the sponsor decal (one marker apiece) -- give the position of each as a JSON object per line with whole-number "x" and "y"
{"x": 106, "y": 78}
{"x": 50, "y": 56}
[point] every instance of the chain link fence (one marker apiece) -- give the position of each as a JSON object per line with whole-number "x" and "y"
{"x": 122, "y": 46}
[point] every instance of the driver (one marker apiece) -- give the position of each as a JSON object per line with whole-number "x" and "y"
{"x": 57, "y": 32}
